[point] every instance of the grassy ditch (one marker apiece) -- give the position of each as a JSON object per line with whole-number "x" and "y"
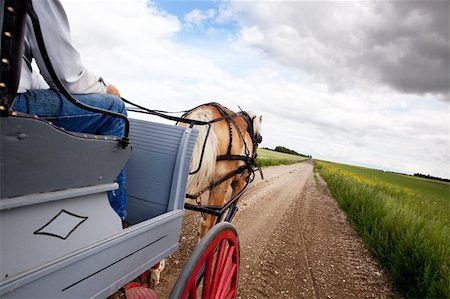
{"x": 271, "y": 158}
{"x": 402, "y": 220}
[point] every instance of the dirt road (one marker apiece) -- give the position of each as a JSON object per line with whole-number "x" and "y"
{"x": 295, "y": 242}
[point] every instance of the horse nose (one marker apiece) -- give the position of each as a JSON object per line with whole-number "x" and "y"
{"x": 258, "y": 138}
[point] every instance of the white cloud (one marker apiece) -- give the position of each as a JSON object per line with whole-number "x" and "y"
{"x": 197, "y": 16}
{"x": 135, "y": 47}
{"x": 226, "y": 14}
{"x": 96, "y": 23}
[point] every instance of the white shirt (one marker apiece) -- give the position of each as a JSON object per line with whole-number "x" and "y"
{"x": 64, "y": 57}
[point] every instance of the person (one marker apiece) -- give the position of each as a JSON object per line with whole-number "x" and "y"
{"x": 37, "y": 93}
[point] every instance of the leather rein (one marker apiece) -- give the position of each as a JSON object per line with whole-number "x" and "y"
{"x": 249, "y": 159}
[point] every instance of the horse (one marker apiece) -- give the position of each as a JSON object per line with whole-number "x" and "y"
{"x": 224, "y": 154}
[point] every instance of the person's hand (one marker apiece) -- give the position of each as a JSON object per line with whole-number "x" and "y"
{"x": 111, "y": 89}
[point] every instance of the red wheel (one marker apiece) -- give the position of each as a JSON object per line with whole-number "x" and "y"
{"x": 213, "y": 268}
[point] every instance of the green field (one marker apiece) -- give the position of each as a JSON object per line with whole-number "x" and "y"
{"x": 270, "y": 158}
{"x": 403, "y": 221}
{"x": 431, "y": 190}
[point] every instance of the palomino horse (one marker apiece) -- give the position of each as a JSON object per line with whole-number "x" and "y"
{"x": 226, "y": 158}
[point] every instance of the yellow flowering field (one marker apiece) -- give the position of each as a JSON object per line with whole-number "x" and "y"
{"x": 402, "y": 220}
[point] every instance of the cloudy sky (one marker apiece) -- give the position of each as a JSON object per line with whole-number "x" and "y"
{"x": 358, "y": 82}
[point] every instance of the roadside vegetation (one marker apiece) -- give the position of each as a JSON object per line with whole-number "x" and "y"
{"x": 267, "y": 157}
{"x": 403, "y": 220}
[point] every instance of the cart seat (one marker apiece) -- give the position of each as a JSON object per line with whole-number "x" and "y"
{"x": 70, "y": 243}
{"x": 39, "y": 157}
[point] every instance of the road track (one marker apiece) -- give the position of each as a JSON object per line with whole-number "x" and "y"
{"x": 295, "y": 242}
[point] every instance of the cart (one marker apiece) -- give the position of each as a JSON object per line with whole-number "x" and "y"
{"x": 60, "y": 238}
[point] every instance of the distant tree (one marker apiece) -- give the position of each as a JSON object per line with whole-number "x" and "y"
{"x": 427, "y": 176}
{"x": 283, "y": 149}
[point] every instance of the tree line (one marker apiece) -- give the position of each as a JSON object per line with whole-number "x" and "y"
{"x": 282, "y": 149}
{"x": 430, "y": 177}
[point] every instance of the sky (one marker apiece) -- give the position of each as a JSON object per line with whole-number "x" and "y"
{"x": 358, "y": 82}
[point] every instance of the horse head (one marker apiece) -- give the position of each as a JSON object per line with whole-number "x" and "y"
{"x": 255, "y": 123}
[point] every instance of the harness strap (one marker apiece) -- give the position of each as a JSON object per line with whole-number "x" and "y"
{"x": 248, "y": 160}
{"x": 230, "y": 144}
{"x": 159, "y": 113}
{"x": 222, "y": 112}
{"x": 231, "y": 174}
{"x": 249, "y": 121}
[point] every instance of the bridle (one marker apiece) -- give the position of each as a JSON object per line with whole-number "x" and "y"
{"x": 249, "y": 159}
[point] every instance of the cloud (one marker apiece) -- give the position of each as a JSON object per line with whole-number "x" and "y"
{"x": 226, "y": 14}
{"x": 197, "y": 16}
{"x": 289, "y": 72}
{"x": 113, "y": 25}
{"x": 403, "y": 45}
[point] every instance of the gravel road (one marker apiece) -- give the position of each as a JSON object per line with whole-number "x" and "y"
{"x": 295, "y": 242}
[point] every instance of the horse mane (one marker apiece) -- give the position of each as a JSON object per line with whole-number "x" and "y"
{"x": 200, "y": 180}
{"x": 224, "y": 155}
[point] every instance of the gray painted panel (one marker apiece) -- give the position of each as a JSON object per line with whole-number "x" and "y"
{"x": 36, "y": 198}
{"x": 98, "y": 265}
{"x": 181, "y": 172}
{"x": 157, "y": 175}
{"x": 140, "y": 209}
{"x": 38, "y": 157}
{"x": 34, "y": 235}
{"x": 100, "y": 270}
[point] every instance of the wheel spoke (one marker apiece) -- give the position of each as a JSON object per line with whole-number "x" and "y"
{"x": 193, "y": 291}
{"x": 218, "y": 267}
{"x": 226, "y": 273}
{"x": 231, "y": 293}
{"x": 213, "y": 269}
{"x": 206, "y": 293}
{"x": 231, "y": 289}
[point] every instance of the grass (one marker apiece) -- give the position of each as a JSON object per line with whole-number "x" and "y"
{"x": 271, "y": 158}
{"x": 431, "y": 190}
{"x": 402, "y": 220}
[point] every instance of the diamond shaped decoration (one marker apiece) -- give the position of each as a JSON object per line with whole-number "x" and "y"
{"x": 62, "y": 225}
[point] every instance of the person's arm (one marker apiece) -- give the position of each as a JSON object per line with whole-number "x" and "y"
{"x": 111, "y": 89}
{"x": 64, "y": 57}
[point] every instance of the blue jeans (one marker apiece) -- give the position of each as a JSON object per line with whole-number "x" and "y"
{"x": 53, "y": 106}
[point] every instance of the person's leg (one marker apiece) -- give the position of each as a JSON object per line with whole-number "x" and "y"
{"x": 118, "y": 198}
{"x": 53, "y": 106}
